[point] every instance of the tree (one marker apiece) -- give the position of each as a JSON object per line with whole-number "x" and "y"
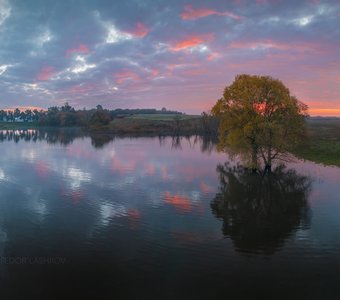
{"x": 260, "y": 118}
{"x": 100, "y": 118}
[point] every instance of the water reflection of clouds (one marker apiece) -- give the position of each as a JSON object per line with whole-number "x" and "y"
{"x": 76, "y": 177}
{"x": 108, "y": 211}
{"x": 114, "y": 183}
{"x": 2, "y": 175}
{"x": 180, "y": 203}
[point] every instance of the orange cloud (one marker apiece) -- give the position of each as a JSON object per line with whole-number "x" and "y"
{"x": 334, "y": 112}
{"x": 180, "y": 203}
{"x": 45, "y": 73}
{"x": 192, "y": 42}
{"x": 126, "y": 75}
{"x": 191, "y": 13}
{"x": 81, "y": 48}
{"x": 140, "y": 31}
{"x": 189, "y": 43}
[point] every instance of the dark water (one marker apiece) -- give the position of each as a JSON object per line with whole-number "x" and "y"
{"x": 148, "y": 218}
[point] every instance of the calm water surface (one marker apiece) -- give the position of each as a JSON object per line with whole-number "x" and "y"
{"x": 145, "y": 218}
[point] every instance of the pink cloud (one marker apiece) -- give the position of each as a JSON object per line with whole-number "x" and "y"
{"x": 271, "y": 44}
{"x": 213, "y": 56}
{"x": 192, "y": 41}
{"x": 195, "y": 72}
{"x": 191, "y": 13}
{"x": 45, "y": 73}
{"x": 125, "y": 76}
{"x": 81, "y": 48}
{"x": 140, "y": 30}
{"x": 81, "y": 88}
{"x": 154, "y": 72}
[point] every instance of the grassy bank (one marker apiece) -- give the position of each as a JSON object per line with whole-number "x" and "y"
{"x": 154, "y": 125}
{"x": 323, "y": 144}
{"x": 17, "y": 125}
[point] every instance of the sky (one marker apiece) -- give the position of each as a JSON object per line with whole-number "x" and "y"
{"x": 159, "y": 53}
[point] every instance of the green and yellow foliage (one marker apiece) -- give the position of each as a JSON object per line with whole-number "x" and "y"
{"x": 258, "y": 116}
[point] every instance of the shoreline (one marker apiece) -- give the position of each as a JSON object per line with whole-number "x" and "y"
{"x": 322, "y": 146}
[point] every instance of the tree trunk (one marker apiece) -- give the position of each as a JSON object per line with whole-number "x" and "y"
{"x": 254, "y": 159}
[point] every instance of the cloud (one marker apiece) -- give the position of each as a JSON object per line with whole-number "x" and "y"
{"x": 45, "y": 73}
{"x": 81, "y": 48}
{"x": 45, "y": 37}
{"x": 3, "y": 68}
{"x": 126, "y": 76}
{"x": 140, "y": 30}
{"x": 5, "y": 11}
{"x": 193, "y": 42}
{"x": 114, "y": 35}
{"x": 191, "y": 13}
{"x": 270, "y": 44}
{"x": 164, "y": 54}
{"x": 81, "y": 65}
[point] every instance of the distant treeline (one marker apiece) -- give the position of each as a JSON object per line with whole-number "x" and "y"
{"x": 67, "y": 116}
{"x": 117, "y": 121}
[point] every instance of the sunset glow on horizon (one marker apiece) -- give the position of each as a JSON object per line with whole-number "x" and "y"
{"x": 153, "y": 54}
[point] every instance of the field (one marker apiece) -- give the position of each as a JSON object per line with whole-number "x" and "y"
{"x": 323, "y": 143}
{"x": 163, "y": 117}
{"x": 17, "y": 125}
{"x": 156, "y": 124}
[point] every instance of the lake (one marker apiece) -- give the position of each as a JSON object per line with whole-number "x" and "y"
{"x": 97, "y": 217}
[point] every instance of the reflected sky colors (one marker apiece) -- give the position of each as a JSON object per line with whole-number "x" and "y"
{"x": 174, "y": 54}
{"x": 145, "y": 212}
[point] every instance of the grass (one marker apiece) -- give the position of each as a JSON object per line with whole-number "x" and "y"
{"x": 17, "y": 125}
{"x": 323, "y": 144}
{"x": 162, "y": 117}
{"x": 159, "y": 124}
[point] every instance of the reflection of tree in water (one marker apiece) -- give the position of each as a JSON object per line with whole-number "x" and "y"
{"x": 100, "y": 140}
{"x": 66, "y": 136}
{"x": 260, "y": 212}
{"x": 52, "y": 136}
{"x": 207, "y": 144}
